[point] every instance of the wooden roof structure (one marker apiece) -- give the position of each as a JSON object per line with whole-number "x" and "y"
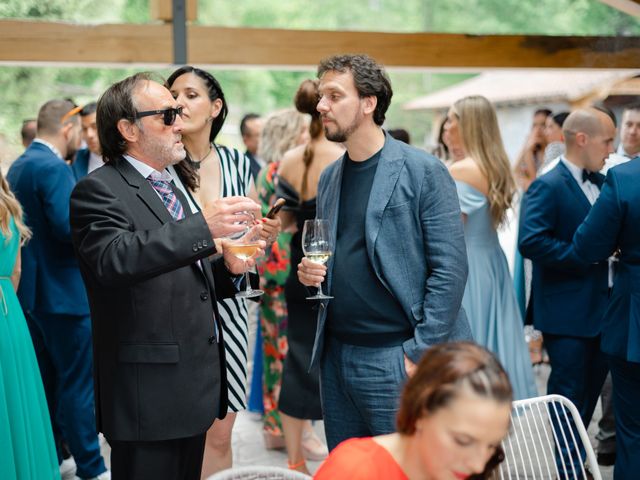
{"x": 516, "y": 87}
{"x": 176, "y": 41}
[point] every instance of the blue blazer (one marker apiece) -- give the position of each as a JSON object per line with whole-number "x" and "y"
{"x": 415, "y": 242}
{"x": 568, "y": 297}
{"x": 50, "y": 281}
{"x": 614, "y": 222}
{"x": 80, "y": 165}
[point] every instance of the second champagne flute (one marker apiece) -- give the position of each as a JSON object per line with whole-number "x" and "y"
{"x": 317, "y": 246}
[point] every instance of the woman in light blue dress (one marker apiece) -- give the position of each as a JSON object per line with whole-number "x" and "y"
{"x": 485, "y": 190}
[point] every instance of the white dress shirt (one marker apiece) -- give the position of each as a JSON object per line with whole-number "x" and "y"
{"x": 591, "y": 191}
{"x": 95, "y": 162}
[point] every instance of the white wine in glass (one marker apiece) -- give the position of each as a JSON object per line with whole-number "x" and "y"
{"x": 317, "y": 245}
{"x": 244, "y": 248}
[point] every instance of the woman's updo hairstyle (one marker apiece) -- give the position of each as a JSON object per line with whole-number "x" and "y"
{"x": 306, "y": 101}
{"x": 443, "y": 372}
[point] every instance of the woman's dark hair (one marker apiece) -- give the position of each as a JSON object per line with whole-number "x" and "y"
{"x": 369, "y": 78}
{"x": 185, "y": 169}
{"x": 441, "y": 374}
{"x": 306, "y": 101}
{"x": 559, "y": 118}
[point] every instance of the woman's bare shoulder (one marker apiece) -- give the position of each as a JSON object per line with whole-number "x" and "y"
{"x": 468, "y": 171}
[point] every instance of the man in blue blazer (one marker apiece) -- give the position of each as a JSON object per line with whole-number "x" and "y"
{"x": 568, "y": 300}
{"x": 614, "y": 224}
{"x": 90, "y": 158}
{"x": 51, "y": 290}
{"x": 398, "y": 268}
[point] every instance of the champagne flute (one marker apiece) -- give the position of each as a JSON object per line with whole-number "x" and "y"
{"x": 244, "y": 247}
{"x": 317, "y": 246}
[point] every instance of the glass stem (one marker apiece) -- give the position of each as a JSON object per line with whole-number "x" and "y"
{"x": 248, "y": 288}
{"x": 320, "y": 289}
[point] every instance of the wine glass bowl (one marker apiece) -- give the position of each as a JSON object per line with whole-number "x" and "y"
{"x": 244, "y": 246}
{"x": 317, "y": 245}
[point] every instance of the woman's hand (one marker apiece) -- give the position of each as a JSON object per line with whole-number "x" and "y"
{"x": 271, "y": 227}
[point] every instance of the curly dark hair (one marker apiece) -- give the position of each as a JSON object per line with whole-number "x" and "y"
{"x": 369, "y": 77}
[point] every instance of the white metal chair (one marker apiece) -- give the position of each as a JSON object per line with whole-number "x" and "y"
{"x": 531, "y": 447}
{"x": 259, "y": 473}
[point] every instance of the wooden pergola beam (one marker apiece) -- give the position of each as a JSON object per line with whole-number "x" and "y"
{"x": 25, "y": 41}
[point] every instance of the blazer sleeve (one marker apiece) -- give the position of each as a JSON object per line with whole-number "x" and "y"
{"x": 597, "y": 237}
{"x": 446, "y": 259}
{"x": 538, "y": 220}
{"x": 55, "y": 185}
{"x": 117, "y": 255}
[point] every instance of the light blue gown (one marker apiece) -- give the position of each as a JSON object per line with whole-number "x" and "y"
{"x": 489, "y": 297}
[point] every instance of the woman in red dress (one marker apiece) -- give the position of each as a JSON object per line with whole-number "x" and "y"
{"x": 454, "y": 413}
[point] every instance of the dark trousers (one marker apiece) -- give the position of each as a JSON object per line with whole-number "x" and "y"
{"x": 578, "y": 370}
{"x": 179, "y": 459}
{"x": 626, "y": 393}
{"x": 360, "y": 390}
{"x": 65, "y": 356}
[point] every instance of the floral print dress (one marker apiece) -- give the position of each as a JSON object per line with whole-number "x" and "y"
{"x": 273, "y": 271}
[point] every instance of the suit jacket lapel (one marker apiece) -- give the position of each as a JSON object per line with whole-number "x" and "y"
{"x": 387, "y": 174}
{"x": 331, "y": 206}
{"x": 145, "y": 192}
{"x": 574, "y": 187}
{"x": 205, "y": 262}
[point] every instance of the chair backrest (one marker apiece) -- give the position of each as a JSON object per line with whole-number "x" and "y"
{"x": 259, "y": 473}
{"x": 540, "y": 429}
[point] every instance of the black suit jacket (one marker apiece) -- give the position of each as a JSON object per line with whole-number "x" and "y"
{"x": 159, "y": 373}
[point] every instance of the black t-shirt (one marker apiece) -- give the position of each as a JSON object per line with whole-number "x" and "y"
{"x": 363, "y": 311}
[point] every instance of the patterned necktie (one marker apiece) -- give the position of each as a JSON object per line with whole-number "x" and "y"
{"x": 168, "y": 196}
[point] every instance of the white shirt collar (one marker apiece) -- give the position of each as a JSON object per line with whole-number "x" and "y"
{"x": 146, "y": 171}
{"x": 575, "y": 170}
{"x": 95, "y": 162}
{"x": 621, "y": 151}
{"x": 49, "y": 146}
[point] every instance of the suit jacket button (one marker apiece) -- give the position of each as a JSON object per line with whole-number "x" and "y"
{"x": 195, "y": 247}
{"x": 199, "y": 245}
{"x": 212, "y": 339}
{"x": 204, "y": 296}
{"x": 205, "y": 243}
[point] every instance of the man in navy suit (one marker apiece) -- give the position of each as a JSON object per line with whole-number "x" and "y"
{"x": 90, "y": 158}
{"x": 614, "y": 224}
{"x": 399, "y": 265}
{"x": 51, "y": 290}
{"x": 568, "y": 300}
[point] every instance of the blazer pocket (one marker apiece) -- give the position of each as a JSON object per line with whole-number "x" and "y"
{"x": 398, "y": 209}
{"x": 149, "y": 353}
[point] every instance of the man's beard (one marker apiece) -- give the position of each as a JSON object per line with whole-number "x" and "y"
{"x": 341, "y": 135}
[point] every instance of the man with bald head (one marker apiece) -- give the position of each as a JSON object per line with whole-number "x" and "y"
{"x": 568, "y": 300}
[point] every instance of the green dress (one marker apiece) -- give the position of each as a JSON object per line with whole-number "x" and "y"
{"x": 26, "y": 443}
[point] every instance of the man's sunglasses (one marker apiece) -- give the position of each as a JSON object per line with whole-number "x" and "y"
{"x": 168, "y": 114}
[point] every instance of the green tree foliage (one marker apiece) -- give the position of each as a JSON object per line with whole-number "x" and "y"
{"x": 24, "y": 89}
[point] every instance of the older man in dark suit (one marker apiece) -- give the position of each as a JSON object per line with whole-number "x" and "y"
{"x": 159, "y": 358}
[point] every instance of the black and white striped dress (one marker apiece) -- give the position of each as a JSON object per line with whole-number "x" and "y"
{"x": 236, "y": 180}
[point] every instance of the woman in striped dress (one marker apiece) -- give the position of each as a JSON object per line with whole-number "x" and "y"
{"x": 209, "y": 172}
